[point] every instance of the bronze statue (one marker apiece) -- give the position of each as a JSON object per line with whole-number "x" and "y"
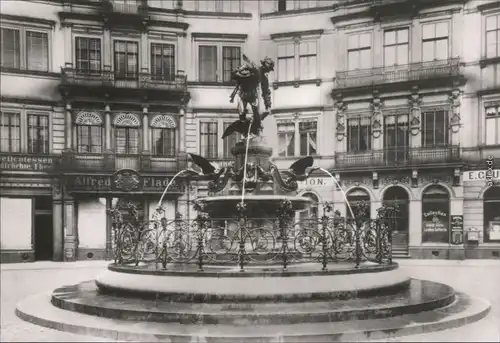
{"x": 250, "y": 80}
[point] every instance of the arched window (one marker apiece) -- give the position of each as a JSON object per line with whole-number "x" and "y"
{"x": 126, "y": 133}
{"x": 163, "y": 136}
{"x": 89, "y": 132}
{"x": 355, "y": 198}
{"x": 312, "y": 211}
{"x": 491, "y": 214}
{"x": 436, "y": 215}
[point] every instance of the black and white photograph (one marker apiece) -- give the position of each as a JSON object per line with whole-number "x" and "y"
{"x": 250, "y": 171}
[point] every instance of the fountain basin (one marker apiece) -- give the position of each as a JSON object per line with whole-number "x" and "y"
{"x": 260, "y": 206}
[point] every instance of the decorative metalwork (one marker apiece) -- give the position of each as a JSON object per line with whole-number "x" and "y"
{"x": 244, "y": 240}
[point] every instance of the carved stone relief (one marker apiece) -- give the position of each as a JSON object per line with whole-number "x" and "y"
{"x": 341, "y": 107}
{"x": 414, "y": 102}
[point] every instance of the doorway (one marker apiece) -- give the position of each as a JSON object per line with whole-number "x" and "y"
{"x": 399, "y": 197}
{"x": 43, "y": 229}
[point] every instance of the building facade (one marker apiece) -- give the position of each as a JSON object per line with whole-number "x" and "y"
{"x": 102, "y": 101}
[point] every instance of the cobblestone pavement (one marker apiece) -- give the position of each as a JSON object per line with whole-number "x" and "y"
{"x": 479, "y": 277}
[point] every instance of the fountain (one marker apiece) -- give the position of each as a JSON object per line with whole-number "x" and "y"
{"x": 245, "y": 270}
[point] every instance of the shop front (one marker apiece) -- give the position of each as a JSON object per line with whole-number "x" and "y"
{"x": 92, "y": 196}
{"x": 481, "y": 213}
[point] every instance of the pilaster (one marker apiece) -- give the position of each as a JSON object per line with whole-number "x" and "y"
{"x": 415, "y": 229}
{"x": 145, "y": 129}
{"x": 107, "y": 128}
{"x": 69, "y": 127}
{"x": 70, "y": 228}
{"x": 415, "y": 118}
{"x": 377, "y": 133}
{"x": 107, "y": 48}
{"x": 57, "y": 223}
{"x": 182, "y": 129}
{"x": 340, "y": 128}
{"x": 455, "y": 116}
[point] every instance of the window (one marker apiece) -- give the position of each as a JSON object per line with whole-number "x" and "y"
{"x": 88, "y": 55}
{"x": 435, "y": 42}
{"x": 164, "y": 142}
{"x": 396, "y": 47}
{"x": 359, "y": 51}
{"x": 126, "y": 60}
{"x": 308, "y": 132}
{"x": 300, "y": 4}
{"x": 89, "y": 138}
{"x": 127, "y": 140}
{"x": 11, "y": 48}
{"x": 435, "y": 128}
{"x": 166, "y": 4}
{"x": 493, "y": 36}
{"x": 435, "y": 215}
{"x": 36, "y": 54}
{"x": 229, "y": 142}
{"x": 492, "y": 125}
{"x": 38, "y": 133}
{"x": 208, "y": 139}
{"x": 10, "y": 132}
{"x": 286, "y": 142}
{"x": 396, "y": 138}
{"x": 359, "y": 135}
{"x": 305, "y": 53}
{"x": 37, "y": 51}
{"x": 163, "y": 61}
{"x": 309, "y": 218}
{"x": 209, "y": 63}
{"x": 491, "y": 217}
{"x": 218, "y": 6}
{"x": 286, "y": 62}
{"x": 281, "y": 5}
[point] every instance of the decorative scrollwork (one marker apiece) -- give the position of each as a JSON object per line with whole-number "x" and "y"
{"x": 244, "y": 240}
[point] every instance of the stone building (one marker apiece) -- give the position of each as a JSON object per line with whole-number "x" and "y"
{"x": 102, "y": 101}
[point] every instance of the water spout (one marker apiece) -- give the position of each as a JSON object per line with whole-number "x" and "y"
{"x": 171, "y": 181}
{"x": 341, "y": 190}
{"x": 245, "y": 165}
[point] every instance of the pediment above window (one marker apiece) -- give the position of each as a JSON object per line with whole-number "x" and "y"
{"x": 126, "y": 119}
{"x": 164, "y": 122}
{"x": 88, "y": 118}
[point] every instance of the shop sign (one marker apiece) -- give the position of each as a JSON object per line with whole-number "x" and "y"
{"x": 26, "y": 162}
{"x": 126, "y": 180}
{"x": 316, "y": 182}
{"x": 435, "y": 221}
{"x": 481, "y": 175}
{"x": 457, "y": 227}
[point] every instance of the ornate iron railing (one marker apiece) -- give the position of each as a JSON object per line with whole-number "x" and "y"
{"x": 402, "y": 156}
{"x": 243, "y": 241}
{"x": 403, "y": 73}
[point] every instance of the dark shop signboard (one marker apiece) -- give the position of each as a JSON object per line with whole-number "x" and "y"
{"x": 121, "y": 181}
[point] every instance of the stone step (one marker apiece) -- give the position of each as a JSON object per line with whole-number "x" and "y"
{"x": 86, "y": 298}
{"x": 38, "y": 310}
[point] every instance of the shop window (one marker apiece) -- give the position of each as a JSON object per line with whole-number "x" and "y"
{"x": 435, "y": 215}
{"x": 491, "y": 204}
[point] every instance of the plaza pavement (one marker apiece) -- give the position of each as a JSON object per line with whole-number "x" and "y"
{"x": 475, "y": 277}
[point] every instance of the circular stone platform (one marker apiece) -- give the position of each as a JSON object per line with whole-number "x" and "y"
{"x": 262, "y": 304}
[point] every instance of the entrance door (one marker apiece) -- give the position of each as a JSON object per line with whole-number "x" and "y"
{"x": 398, "y": 196}
{"x": 43, "y": 237}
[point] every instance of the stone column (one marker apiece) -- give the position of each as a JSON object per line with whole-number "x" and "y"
{"x": 68, "y": 46}
{"x": 377, "y": 122}
{"x": 415, "y": 119}
{"x": 182, "y": 129}
{"x": 57, "y": 224}
{"x": 145, "y": 129}
{"x": 107, "y": 51}
{"x": 296, "y": 136}
{"x": 144, "y": 53}
{"x": 70, "y": 231}
{"x": 415, "y": 229}
{"x": 69, "y": 127}
{"x": 109, "y": 243}
{"x": 107, "y": 128}
{"x": 375, "y": 205}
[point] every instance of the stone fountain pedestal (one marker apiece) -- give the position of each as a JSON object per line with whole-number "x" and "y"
{"x": 262, "y": 304}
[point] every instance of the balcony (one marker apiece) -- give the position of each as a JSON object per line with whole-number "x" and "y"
{"x": 72, "y": 162}
{"x": 104, "y": 81}
{"x": 409, "y": 73}
{"x": 398, "y": 157}
{"x": 27, "y": 162}
{"x": 478, "y": 155}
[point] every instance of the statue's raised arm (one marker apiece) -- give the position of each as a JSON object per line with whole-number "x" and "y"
{"x": 251, "y": 81}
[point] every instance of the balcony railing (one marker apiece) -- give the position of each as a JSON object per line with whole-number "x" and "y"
{"x": 138, "y": 7}
{"x": 109, "y": 78}
{"x": 27, "y": 162}
{"x": 111, "y": 162}
{"x": 395, "y": 157}
{"x": 396, "y": 74}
